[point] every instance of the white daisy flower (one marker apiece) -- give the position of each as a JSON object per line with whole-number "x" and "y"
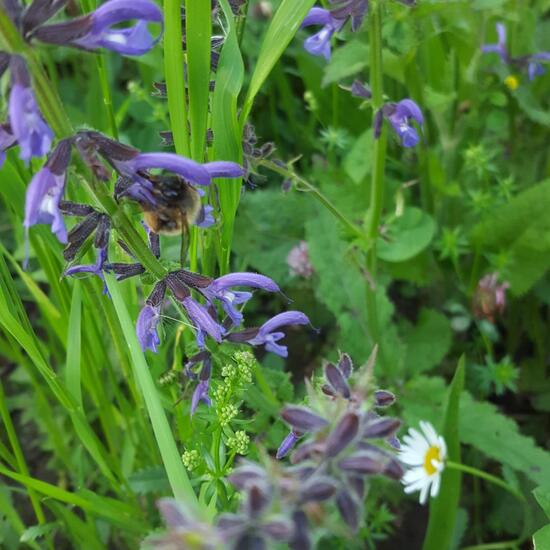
{"x": 425, "y": 455}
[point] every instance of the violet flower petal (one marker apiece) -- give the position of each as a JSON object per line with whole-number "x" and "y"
{"x": 317, "y": 16}
{"x": 146, "y": 328}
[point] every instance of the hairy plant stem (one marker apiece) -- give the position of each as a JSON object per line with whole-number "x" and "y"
{"x": 487, "y": 477}
{"x": 377, "y": 179}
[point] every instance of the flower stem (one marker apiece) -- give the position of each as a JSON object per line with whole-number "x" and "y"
{"x": 379, "y": 161}
{"x": 484, "y": 475}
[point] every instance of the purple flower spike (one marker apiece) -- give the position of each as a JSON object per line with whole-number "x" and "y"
{"x": 266, "y": 335}
{"x": 7, "y": 140}
{"x": 203, "y": 321}
{"x": 146, "y": 328}
{"x": 219, "y": 289}
{"x": 134, "y": 40}
{"x": 46, "y": 190}
{"x": 319, "y": 43}
{"x": 33, "y": 135}
{"x": 400, "y": 115}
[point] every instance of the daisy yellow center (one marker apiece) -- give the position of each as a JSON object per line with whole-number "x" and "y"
{"x": 432, "y": 454}
{"x": 511, "y": 82}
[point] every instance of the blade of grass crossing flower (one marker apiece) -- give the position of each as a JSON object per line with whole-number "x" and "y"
{"x": 444, "y": 507}
{"x": 283, "y": 27}
{"x": 74, "y": 339}
{"x": 175, "y": 470}
{"x": 198, "y": 21}
{"x": 173, "y": 70}
{"x": 227, "y": 133}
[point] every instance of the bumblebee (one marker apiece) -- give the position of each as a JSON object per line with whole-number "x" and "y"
{"x": 169, "y": 203}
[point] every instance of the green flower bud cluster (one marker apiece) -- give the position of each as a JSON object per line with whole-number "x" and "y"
{"x": 191, "y": 459}
{"x": 168, "y": 378}
{"x": 227, "y": 413}
{"x": 239, "y": 443}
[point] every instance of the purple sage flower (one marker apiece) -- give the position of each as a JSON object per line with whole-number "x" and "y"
{"x": 319, "y": 43}
{"x": 400, "y": 115}
{"x": 287, "y": 444}
{"x": 97, "y": 29}
{"x": 201, "y": 391}
{"x": 203, "y": 321}
{"x": 46, "y": 190}
{"x": 532, "y": 63}
{"x": 146, "y": 327}
{"x": 92, "y": 269}
{"x": 28, "y": 127}
{"x": 220, "y": 289}
{"x": 267, "y": 334}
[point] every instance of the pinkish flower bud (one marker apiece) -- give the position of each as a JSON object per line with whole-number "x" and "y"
{"x": 298, "y": 261}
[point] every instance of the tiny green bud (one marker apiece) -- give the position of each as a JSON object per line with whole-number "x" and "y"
{"x": 239, "y": 443}
{"x": 191, "y": 459}
{"x": 227, "y": 413}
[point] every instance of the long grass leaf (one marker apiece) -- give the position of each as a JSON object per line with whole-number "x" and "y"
{"x": 72, "y": 372}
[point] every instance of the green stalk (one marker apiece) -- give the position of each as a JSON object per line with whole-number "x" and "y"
{"x": 484, "y": 475}
{"x": 379, "y": 161}
{"x": 173, "y": 70}
{"x": 18, "y": 453}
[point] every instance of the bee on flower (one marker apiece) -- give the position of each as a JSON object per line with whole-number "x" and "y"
{"x": 424, "y": 452}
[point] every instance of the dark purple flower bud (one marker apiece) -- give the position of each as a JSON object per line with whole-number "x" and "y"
{"x": 337, "y": 380}
{"x": 383, "y": 398}
{"x": 7, "y": 140}
{"x": 349, "y": 508}
{"x": 358, "y": 89}
{"x": 394, "y": 442}
{"x": 193, "y": 280}
{"x": 79, "y": 233}
{"x": 156, "y": 297}
{"x": 97, "y": 29}
{"x": 378, "y": 121}
{"x": 287, "y": 444}
{"x": 231, "y": 525}
{"x": 75, "y": 209}
{"x": 357, "y": 484}
{"x": 27, "y": 124}
{"x": 45, "y": 191}
{"x": 201, "y": 391}
{"x": 317, "y": 489}
{"x": 393, "y": 469}
{"x": 327, "y": 389}
{"x": 247, "y": 473}
{"x": 345, "y": 364}
{"x": 268, "y": 336}
{"x": 362, "y": 462}
{"x": 342, "y": 435}
{"x": 203, "y": 321}
{"x": 102, "y": 232}
{"x": 178, "y": 288}
{"x": 39, "y": 12}
{"x": 146, "y": 328}
{"x": 257, "y": 498}
{"x": 125, "y": 271}
{"x": 220, "y": 289}
{"x": 313, "y": 449}
{"x": 303, "y": 419}
{"x": 381, "y": 427}
{"x": 278, "y": 529}
{"x": 354, "y": 9}
{"x": 300, "y": 540}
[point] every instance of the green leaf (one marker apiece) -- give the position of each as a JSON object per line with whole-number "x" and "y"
{"x": 542, "y": 494}
{"x": 541, "y": 539}
{"x": 427, "y": 341}
{"x": 151, "y": 480}
{"x": 73, "y": 346}
{"x": 198, "y": 23}
{"x": 346, "y": 61}
{"x": 227, "y": 130}
{"x": 358, "y": 161}
{"x": 443, "y": 508}
{"x": 175, "y": 470}
{"x": 406, "y": 236}
{"x": 35, "y": 532}
{"x": 283, "y": 27}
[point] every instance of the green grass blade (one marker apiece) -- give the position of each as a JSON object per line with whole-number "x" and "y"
{"x": 227, "y": 132}
{"x": 444, "y": 507}
{"x": 173, "y": 70}
{"x": 283, "y": 27}
{"x": 73, "y": 346}
{"x": 198, "y": 21}
{"x": 175, "y": 470}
